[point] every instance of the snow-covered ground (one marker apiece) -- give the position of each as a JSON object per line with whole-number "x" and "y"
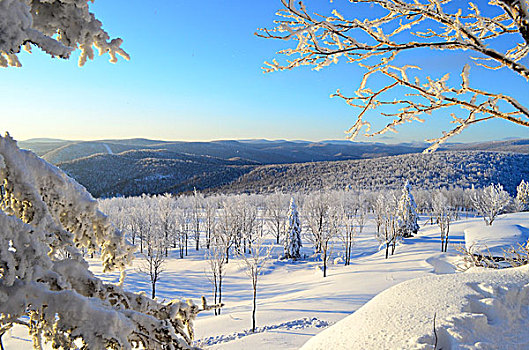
{"x": 498, "y": 238}
{"x": 295, "y": 302}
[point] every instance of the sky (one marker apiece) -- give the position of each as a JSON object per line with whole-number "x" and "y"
{"x": 195, "y": 74}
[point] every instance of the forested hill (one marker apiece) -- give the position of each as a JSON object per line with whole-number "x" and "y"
{"x": 132, "y": 167}
{"x": 439, "y": 169}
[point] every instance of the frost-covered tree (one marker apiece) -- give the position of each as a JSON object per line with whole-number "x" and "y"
{"x": 154, "y": 260}
{"x": 184, "y": 219}
{"x": 46, "y": 219}
{"x": 522, "y": 195}
{"x": 315, "y": 214}
{"x": 57, "y": 27}
{"x": 443, "y": 214}
{"x": 210, "y": 211}
{"x": 254, "y": 264}
{"x": 229, "y": 225}
{"x": 490, "y": 201}
{"x": 382, "y": 35}
{"x": 276, "y": 204}
{"x": 217, "y": 261}
{"x": 197, "y": 208}
{"x": 388, "y": 233}
{"x": 407, "y": 213}
{"x": 292, "y": 243}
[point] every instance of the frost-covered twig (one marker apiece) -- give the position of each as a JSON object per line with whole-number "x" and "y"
{"x": 57, "y": 27}
{"x": 497, "y": 33}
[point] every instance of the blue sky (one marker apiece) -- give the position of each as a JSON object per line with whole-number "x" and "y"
{"x": 195, "y": 74}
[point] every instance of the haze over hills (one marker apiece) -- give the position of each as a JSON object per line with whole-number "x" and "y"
{"x": 135, "y": 166}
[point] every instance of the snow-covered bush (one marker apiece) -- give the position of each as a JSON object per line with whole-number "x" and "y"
{"x": 57, "y": 27}
{"x": 46, "y": 220}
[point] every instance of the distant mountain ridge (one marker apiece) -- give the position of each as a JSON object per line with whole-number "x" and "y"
{"x": 135, "y": 166}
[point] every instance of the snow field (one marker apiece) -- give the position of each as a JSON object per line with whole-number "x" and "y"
{"x": 295, "y": 303}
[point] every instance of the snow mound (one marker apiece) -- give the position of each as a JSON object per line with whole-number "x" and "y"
{"x": 495, "y": 239}
{"x": 296, "y": 324}
{"x": 479, "y": 309}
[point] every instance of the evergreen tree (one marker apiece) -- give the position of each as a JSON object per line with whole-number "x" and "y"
{"x": 522, "y": 195}
{"x": 407, "y": 213}
{"x": 293, "y": 236}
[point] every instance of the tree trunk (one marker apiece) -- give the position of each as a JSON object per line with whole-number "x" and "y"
{"x": 215, "y": 294}
{"x": 325, "y": 263}
{"x": 220, "y": 292}
{"x": 254, "y": 305}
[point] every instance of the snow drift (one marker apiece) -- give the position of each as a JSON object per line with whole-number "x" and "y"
{"x": 479, "y": 309}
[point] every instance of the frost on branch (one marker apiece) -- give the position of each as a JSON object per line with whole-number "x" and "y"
{"x": 496, "y": 33}
{"x": 46, "y": 219}
{"x": 58, "y": 27}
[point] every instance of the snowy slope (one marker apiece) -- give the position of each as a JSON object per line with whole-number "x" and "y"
{"x": 296, "y": 303}
{"x": 497, "y": 238}
{"x": 479, "y": 309}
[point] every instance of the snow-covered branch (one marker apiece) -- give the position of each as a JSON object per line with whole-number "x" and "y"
{"x": 496, "y": 33}
{"x": 46, "y": 220}
{"x": 57, "y": 27}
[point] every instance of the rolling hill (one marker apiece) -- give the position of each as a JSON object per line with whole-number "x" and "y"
{"x": 136, "y": 166}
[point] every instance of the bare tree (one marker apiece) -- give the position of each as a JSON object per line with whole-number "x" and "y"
{"x": 254, "y": 264}
{"x": 495, "y": 32}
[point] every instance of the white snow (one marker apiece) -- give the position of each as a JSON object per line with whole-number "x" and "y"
{"x": 479, "y": 309}
{"x": 495, "y": 239}
{"x": 295, "y": 302}
{"x": 108, "y": 148}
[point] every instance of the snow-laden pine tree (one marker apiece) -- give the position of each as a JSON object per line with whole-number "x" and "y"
{"x": 46, "y": 221}
{"x": 292, "y": 243}
{"x": 57, "y": 27}
{"x": 407, "y": 213}
{"x": 522, "y": 195}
